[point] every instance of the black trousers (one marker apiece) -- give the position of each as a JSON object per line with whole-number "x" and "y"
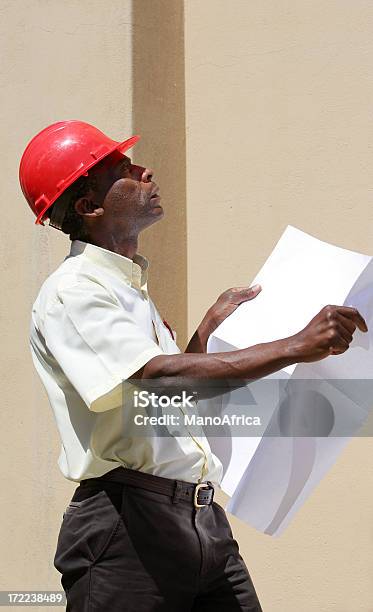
{"x": 126, "y": 549}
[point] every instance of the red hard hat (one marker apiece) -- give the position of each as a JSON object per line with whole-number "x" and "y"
{"x": 59, "y": 155}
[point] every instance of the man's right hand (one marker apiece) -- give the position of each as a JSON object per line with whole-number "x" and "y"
{"x": 328, "y": 333}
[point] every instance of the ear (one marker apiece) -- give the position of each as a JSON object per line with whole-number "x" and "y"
{"x": 87, "y": 208}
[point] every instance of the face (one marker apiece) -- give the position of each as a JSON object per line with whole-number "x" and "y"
{"x": 125, "y": 194}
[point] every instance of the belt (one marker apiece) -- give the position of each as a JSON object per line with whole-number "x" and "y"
{"x": 200, "y": 495}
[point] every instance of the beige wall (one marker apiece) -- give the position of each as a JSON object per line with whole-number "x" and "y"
{"x": 68, "y": 59}
{"x": 276, "y": 128}
{"x": 159, "y": 116}
{"x": 279, "y": 130}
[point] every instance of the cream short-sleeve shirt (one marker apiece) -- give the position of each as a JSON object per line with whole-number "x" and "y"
{"x": 93, "y": 326}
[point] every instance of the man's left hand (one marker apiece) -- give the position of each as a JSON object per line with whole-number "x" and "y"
{"x": 226, "y": 303}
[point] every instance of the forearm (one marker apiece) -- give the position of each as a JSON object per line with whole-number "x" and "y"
{"x": 251, "y": 363}
{"x": 328, "y": 333}
{"x": 198, "y": 342}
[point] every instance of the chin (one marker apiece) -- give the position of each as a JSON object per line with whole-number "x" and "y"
{"x": 156, "y": 214}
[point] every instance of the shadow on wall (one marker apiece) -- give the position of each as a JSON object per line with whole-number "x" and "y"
{"x": 159, "y": 117}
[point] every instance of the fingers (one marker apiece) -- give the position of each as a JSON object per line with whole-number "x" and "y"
{"x": 338, "y": 338}
{"x": 348, "y": 312}
{"x": 243, "y": 294}
{"x": 341, "y": 325}
{"x": 354, "y": 315}
{"x": 343, "y": 320}
{"x": 253, "y": 291}
{"x": 347, "y": 323}
{"x": 331, "y": 331}
{"x": 339, "y": 348}
{"x": 344, "y": 333}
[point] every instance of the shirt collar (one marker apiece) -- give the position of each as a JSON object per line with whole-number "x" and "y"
{"x": 134, "y": 272}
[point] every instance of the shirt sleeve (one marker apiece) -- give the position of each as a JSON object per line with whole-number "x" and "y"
{"x": 97, "y": 343}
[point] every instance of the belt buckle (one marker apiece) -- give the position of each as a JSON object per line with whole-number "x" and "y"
{"x": 201, "y": 485}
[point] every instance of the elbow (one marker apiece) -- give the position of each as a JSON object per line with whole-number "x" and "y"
{"x": 161, "y": 370}
{"x": 157, "y": 367}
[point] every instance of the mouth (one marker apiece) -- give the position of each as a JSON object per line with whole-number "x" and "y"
{"x": 156, "y": 207}
{"x": 155, "y": 198}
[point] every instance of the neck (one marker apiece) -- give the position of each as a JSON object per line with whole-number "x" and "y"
{"x": 123, "y": 246}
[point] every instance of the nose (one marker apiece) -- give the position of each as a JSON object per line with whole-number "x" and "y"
{"x": 147, "y": 175}
{"x": 142, "y": 174}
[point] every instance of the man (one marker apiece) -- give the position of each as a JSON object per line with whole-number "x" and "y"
{"x": 142, "y": 531}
